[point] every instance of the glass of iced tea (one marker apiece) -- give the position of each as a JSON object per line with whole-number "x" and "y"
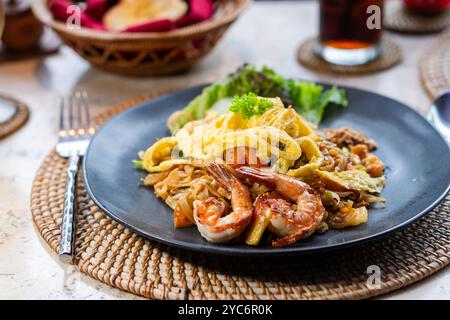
{"x": 350, "y": 31}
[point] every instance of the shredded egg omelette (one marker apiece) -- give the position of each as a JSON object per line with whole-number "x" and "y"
{"x": 279, "y": 136}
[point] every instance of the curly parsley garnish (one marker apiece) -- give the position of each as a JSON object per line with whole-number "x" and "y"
{"x": 250, "y": 105}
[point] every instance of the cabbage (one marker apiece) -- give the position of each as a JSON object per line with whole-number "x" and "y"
{"x": 351, "y": 180}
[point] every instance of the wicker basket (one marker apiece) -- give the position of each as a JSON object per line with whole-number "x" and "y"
{"x": 146, "y": 53}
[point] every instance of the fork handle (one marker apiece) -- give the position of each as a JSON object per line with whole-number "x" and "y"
{"x": 68, "y": 219}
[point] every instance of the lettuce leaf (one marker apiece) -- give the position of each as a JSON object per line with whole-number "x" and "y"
{"x": 309, "y": 99}
{"x": 245, "y": 80}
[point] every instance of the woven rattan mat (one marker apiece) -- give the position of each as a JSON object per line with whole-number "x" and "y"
{"x": 17, "y": 120}
{"x": 391, "y": 54}
{"x": 399, "y": 19}
{"x": 111, "y": 253}
{"x": 435, "y": 66}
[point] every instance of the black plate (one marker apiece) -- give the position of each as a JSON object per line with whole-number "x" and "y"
{"x": 416, "y": 157}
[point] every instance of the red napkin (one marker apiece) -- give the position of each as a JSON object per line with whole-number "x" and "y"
{"x": 91, "y": 16}
{"x": 97, "y": 8}
{"x": 199, "y": 10}
{"x": 60, "y": 10}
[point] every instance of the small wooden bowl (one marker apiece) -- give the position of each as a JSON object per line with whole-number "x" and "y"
{"x": 146, "y": 53}
{"x": 22, "y": 30}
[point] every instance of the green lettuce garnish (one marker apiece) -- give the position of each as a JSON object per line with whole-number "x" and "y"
{"x": 311, "y": 99}
{"x": 308, "y": 99}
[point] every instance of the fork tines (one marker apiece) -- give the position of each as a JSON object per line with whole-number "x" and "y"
{"x": 75, "y": 117}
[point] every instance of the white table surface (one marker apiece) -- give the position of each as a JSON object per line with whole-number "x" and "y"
{"x": 268, "y": 33}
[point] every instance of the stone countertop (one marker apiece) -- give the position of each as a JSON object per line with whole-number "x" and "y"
{"x": 268, "y": 33}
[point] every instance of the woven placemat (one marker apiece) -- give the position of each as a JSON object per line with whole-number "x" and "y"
{"x": 113, "y": 254}
{"x": 17, "y": 120}
{"x": 434, "y": 66}
{"x": 397, "y": 18}
{"x": 391, "y": 54}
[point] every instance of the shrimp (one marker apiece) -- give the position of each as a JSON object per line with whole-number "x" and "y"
{"x": 289, "y": 221}
{"x": 209, "y": 216}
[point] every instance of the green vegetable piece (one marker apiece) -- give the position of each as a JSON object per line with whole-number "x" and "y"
{"x": 257, "y": 228}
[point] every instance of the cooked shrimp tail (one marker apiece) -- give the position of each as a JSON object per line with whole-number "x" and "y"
{"x": 222, "y": 175}
{"x": 262, "y": 176}
{"x": 292, "y": 238}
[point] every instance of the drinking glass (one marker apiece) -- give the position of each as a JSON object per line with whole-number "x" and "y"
{"x": 350, "y": 31}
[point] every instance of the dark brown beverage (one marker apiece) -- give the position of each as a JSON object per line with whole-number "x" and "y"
{"x": 350, "y": 30}
{"x": 2, "y": 19}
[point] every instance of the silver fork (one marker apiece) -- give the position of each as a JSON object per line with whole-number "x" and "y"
{"x": 75, "y": 132}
